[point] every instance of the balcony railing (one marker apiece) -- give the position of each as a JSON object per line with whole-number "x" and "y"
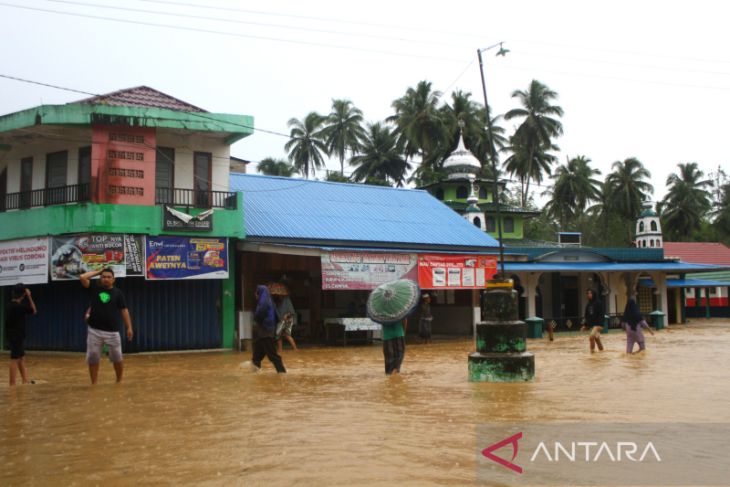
{"x": 195, "y": 198}
{"x": 60, "y": 195}
{"x": 77, "y": 193}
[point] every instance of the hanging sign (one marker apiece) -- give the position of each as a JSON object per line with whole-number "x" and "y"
{"x": 186, "y": 258}
{"x": 71, "y": 256}
{"x": 455, "y": 271}
{"x": 365, "y": 270}
{"x": 24, "y": 261}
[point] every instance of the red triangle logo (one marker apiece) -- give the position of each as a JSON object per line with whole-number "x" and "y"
{"x": 487, "y": 452}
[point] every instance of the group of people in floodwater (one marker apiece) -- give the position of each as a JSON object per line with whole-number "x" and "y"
{"x": 632, "y": 322}
{"x": 274, "y": 319}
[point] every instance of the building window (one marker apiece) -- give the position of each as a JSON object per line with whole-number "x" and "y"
{"x": 651, "y": 243}
{"x": 462, "y": 192}
{"x": 439, "y": 193}
{"x": 643, "y": 243}
{"x": 641, "y": 227}
{"x": 84, "y": 165}
{"x": 491, "y": 226}
{"x": 56, "y": 170}
{"x": 509, "y": 225}
{"x": 653, "y": 226}
{"x": 3, "y": 188}
{"x": 477, "y": 222}
{"x": 26, "y": 181}
{"x": 202, "y": 174}
{"x": 483, "y": 195}
{"x": 164, "y": 174}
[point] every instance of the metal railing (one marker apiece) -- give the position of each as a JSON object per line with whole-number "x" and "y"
{"x": 60, "y": 195}
{"x": 195, "y": 198}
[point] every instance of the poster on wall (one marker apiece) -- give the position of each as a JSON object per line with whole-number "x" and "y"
{"x": 73, "y": 255}
{"x": 134, "y": 255}
{"x": 455, "y": 271}
{"x": 24, "y": 261}
{"x": 186, "y": 258}
{"x": 365, "y": 270}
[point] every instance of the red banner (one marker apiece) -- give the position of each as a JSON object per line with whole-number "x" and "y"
{"x": 123, "y": 164}
{"x": 455, "y": 271}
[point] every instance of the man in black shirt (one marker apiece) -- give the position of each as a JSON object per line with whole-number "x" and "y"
{"x": 107, "y": 305}
{"x": 594, "y": 320}
{"x": 15, "y": 330}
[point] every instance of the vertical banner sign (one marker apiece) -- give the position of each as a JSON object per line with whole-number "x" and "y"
{"x": 455, "y": 271}
{"x": 186, "y": 258}
{"x": 123, "y": 164}
{"x": 24, "y": 261}
{"x": 365, "y": 270}
{"x": 134, "y": 254}
{"x": 73, "y": 255}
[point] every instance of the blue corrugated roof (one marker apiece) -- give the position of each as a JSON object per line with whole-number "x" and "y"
{"x": 607, "y": 266}
{"x": 686, "y": 283}
{"x": 296, "y": 210}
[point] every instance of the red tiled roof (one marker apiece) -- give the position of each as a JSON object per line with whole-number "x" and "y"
{"x": 141, "y": 96}
{"x": 698, "y": 252}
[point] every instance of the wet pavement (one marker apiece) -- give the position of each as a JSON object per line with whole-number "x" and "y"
{"x": 334, "y": 419}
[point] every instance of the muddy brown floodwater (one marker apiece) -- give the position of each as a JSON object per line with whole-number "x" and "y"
{"x": 334, "y": 419}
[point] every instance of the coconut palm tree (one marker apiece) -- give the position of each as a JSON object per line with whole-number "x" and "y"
{"x": 305, "y": 145}
{"x": 379, "y": 157}
{"x": 573, "y": 187}
{"x": 343, "y": 130}
{"x": 527, "y": 163}
{"x": 275, "y": 167}
{"x": 628, "y": 187}
{"x": 687, "y": 201}
{"x": 419, "y": 122}
{"x": 537, "y": 130}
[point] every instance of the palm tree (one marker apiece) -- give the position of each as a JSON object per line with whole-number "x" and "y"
{"x": 528, "y": 163}
{"x": 686, "y": 202}
{"x": 627, "y": 186}
{"x": 380, "y": 158}
{"x": 275, "y": 167}
{"x": 722, "y": 213}
{"x": 419, "y": 123}
{"x": 538, "y": 127}
{"x": 343, "y": 130}
{"x": 305, "y": 145}
{"x": 573, "y": 188}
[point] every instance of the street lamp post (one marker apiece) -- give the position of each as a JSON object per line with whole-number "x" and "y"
{"x": 492, "y": 153}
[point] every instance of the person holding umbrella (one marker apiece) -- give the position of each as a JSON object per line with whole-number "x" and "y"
{"x": 264, "y": 330}
{"x": 389, "y": 304}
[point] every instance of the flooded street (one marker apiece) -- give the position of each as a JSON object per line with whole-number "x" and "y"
{"x": 334, "y": 419}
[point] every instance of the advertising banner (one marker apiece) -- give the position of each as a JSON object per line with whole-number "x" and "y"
{"x": 455, "y": 271}
{"x": 134, "y": 255}
{"x": 365, "y": 270}
{"x": 24, "y": 261}
{"x": 71, "y": 256}
{"x": 186, "y": 258}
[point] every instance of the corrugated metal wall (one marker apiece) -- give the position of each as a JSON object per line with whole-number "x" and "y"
{"x": 166, "y": 315}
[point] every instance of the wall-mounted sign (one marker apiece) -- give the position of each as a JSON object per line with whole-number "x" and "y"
{"x": 186, "y": 258}
{"x": 455, "y": 271}
{"x": 365, "y": 270}
{"x": 24, "y": 261}
{"x": 177, "y": 220}
{"x": 73, "y": 255}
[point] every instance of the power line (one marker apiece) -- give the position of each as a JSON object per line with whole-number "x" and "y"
{"x": 233, "y": 34}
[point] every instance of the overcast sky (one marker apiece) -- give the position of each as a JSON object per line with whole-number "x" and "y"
{"x": 643, "y": 79}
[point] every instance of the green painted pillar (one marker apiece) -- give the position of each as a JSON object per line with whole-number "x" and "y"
{"x": 683, "y": 307}
{"x": 707, "y": 302}
{"x": 228, "y": 300}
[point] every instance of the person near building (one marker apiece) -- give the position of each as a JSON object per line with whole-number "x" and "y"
{"x": 21, "y": 304}
{"x": 287, "y": 320}
{"x": 107, "y": 308}
{"x": 264, "y": 330}
{"x": 633, "y": 322}
{"x": 594, "y": 320}
{"x": 426, "y": 319}
{"x": 394, "y": 345}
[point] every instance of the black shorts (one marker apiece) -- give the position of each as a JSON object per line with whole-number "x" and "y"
{"x": 17, "y": 348}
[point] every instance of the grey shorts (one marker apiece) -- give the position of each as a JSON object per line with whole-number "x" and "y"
{"x": 96, "y": 339}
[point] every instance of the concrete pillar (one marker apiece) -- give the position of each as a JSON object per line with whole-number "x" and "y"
{"x": 530, "y": 281}
{"x": 660, "y": 280}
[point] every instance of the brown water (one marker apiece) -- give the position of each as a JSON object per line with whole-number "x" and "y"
{"x": 335, "y": 419}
